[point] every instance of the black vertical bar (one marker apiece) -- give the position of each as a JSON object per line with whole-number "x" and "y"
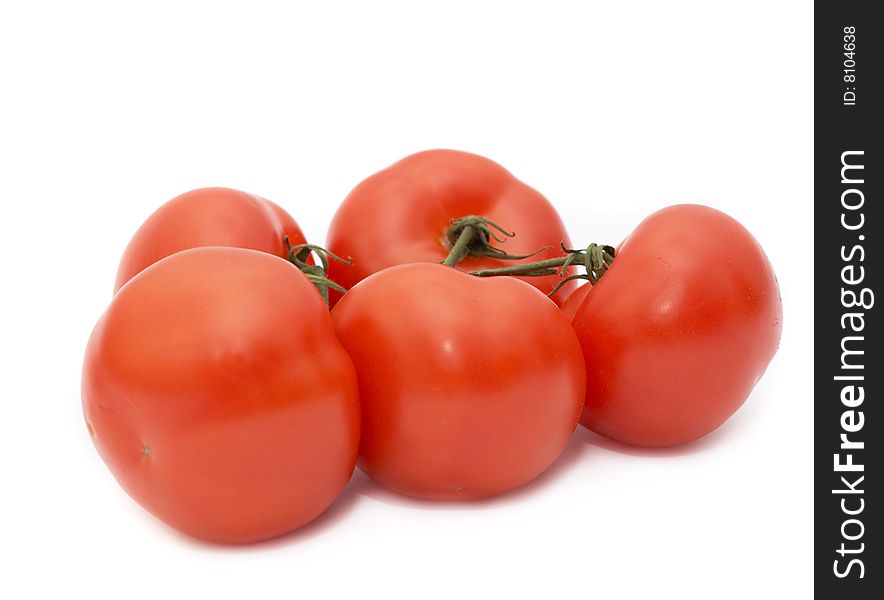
{"x": 848, "y": 367}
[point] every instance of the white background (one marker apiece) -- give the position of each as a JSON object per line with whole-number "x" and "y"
{"x": 611, "y": 110}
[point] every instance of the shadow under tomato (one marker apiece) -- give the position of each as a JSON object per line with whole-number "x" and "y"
{"x": 574, "y": 452}
{"x": 578, "y": 449}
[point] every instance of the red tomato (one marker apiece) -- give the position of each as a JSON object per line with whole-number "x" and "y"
{"x": 469, "y": 387}
{"x": 573, "y": 300}
{"x": 400, "y": 215}
{"x": 208, "y": 217}
{"x": 679, "y": 330}
{"x": 217, "y": 393}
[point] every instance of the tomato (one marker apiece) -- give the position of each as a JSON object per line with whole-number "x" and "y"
{"x": 218, "y": 395}
{"x": 678, "y": 331}
{"x": 208, "y": 217}
{"x": 469, "y": 387}
{"x": 573, "y": 300}
{"x": 401, "y": 214}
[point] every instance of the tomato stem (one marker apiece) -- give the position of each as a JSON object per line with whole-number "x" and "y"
{"x": 316, "y": 273}
{"x": 596, "y": 259}
{"x": 472, "y": 236}
{"x": 460, "y": 249}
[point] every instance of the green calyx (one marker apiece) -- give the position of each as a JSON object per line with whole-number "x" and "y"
{"x": 473, "y": 236}
{"x": 316, "y": 273}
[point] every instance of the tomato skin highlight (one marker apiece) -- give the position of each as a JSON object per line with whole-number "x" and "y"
{"x": 218, "y": 395}
{"x": 469, "y": 387}
{"x": 208, "y": 217}
{"x": 400, "y": 214}
{"x": 679, "y": 330}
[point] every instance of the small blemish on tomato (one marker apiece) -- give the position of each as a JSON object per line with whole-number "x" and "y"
{"x": 145, "y": 451}
{"x": 90, "y": 429}
{"x": 457, "y": 488}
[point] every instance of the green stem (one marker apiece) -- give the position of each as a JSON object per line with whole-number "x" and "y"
{"x": 461, "y": 248}
{"x": 472, "y": 236}
{"x": 316, "y": 273}
{"x": 595, "y": 259}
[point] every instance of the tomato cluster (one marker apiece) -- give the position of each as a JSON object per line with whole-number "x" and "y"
{"x": 228, "y": 400}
